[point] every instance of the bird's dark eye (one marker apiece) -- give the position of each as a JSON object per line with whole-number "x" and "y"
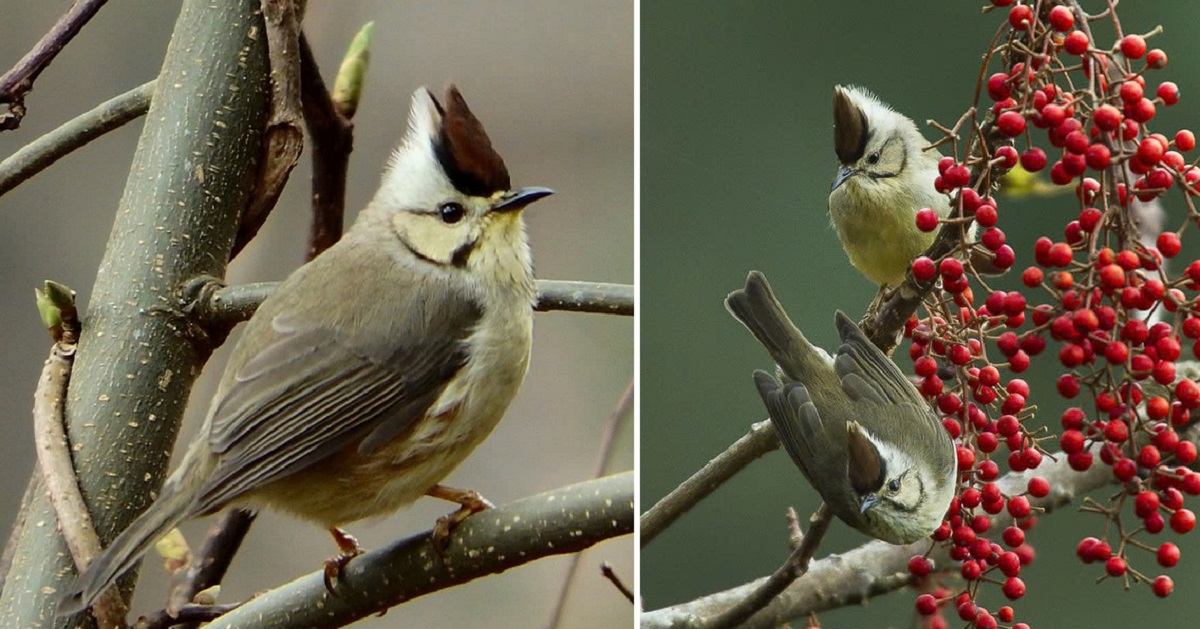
{"x": 873, "y": 158}
{"x": 451, "y": 212}
{"x": 894, "y": 484}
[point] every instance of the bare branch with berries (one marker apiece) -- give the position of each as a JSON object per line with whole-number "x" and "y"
{"x": 1073, "y": 96}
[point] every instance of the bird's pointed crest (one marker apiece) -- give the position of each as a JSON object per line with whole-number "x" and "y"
{"x": 464, "y": 150}
{"x": 850, "y": 128}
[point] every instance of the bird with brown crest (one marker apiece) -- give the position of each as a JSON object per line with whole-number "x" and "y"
{"x": 375, "y": 369}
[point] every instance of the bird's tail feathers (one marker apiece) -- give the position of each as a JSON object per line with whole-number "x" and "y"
{"x": 757, "y": 308}
{"x": 126, "y": 550}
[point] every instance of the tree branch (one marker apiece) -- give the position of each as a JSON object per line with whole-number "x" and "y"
{"x": 18, "y": 81}
{"x": 283, "y": 140}
{"x": 564, "y": 520}
{"x": 226, "y": 306}
{"x": 875, "y": 567}
{"x": 332, "y": 135}
{"x": 760, "y": 440}
{"x": 794, "y": 567}
{"x": 39, "y": 154}
{"x": 58, "y": 475}
{"x": 195, "y": 161}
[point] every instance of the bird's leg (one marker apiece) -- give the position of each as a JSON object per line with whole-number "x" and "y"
{"x": 348, "y": 549}
{"x": 470, "y": 503}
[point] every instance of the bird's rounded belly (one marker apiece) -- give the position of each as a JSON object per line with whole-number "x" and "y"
{"x": 881, "y": 244}
{"x": 350, "y": 485}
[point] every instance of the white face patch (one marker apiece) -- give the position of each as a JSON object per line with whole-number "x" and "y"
{"x": 901, "y": 470}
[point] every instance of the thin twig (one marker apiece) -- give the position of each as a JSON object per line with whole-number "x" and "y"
{"x": 606, "y": 446}
{"x": 188, "y": 614}
{"x": 39, "y": 154}
{"x": 795, "y": 533}
{"x": 283, "y": 140}
{"x": 606, "y": 569}
{"x": 332, "y": 135}
{"x": 760, "y": 440}
{"x": 795, "y": 566}
{"x": 58, "y": 476}
{"x": 18, "y": 81}
{"x": 209, "y": 564}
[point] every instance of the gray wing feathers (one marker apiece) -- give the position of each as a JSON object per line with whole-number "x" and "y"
{"x": 795, "y": 419}
{"x": 866, "y": 373}
{"x": 313, "y": 392}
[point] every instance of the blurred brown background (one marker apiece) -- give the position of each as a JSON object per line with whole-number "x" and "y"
{"x": 553, "y": 83}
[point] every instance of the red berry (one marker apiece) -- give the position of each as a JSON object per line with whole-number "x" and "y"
{"x": 951, "y": 268}
{"x": 1168, "y": 555}
{"x": 1188, "y": 392}
{"x": 1131, "y": 91}
{"x": 1169, "y": 244}
{"x": 1011, "y": 123}
{"x": 1018, "y": 507}
{"x": 919, "y": 566}
{"x": 1033, "y": 159}
{"x": 1076, "y": 43}
{"x": 1061, "y": 19}
{"x": 1009, "y": 156}
{"x": 1013, "y": 588}
{"x": 1168, "y": 91}
{"x": 1156, "y": 59}
{"x": 1107, "y": 117}
{"x": 998, "y": 87}
{"x": 1145, "y": 504}
{"x": 1149, "y": 457}
{"x": 1182, "y": 521}
{"x": 1162, "y": 586}
{"x": 1185, "y": 452}
{"x": 1013, "y": 536}
{"x": 1150, "y": 152}
{"x": 923, "y": 269}
{"x": 1185, "y": 140}
{"x": 1115, "y": 566}
{"x": 1020, "y": 16}
{"x": 1141, "y": 111}
{"x": 927, "y": 220}
{"x": 926, "y": 605}
{"x": 1039, "y": 487}
{"x": 1124, "y": 470}
{"x": 1133, "y": 46}
{"x": 1098, "y": 157}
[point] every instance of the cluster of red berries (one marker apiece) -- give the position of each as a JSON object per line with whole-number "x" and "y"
{"x": 1089, "y": 107}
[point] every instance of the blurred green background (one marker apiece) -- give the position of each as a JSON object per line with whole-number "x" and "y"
{"x": 737, "y": 158}
{"x": 553, "y": 83}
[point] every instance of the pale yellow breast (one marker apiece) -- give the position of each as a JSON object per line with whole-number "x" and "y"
{"x": 349, "y": 486}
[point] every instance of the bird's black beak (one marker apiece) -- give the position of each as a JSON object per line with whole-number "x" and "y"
{"x": 868, "y": 501}
{"x": 517, "y": 199}
{"x": 843, "y": 173}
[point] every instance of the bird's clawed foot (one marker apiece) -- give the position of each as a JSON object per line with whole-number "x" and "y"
{"x": 348, "y": 549}
{"x": 470, "y": 503}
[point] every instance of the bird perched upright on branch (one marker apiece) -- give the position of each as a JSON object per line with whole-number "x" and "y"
{"x": 884, "y": 177}
{"x": 375, "y": 369}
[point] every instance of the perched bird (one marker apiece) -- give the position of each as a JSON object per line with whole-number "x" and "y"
{"x": 376, "y": 368}
{"x": 853, "y": 424}
{"x": 884, "y": 177}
